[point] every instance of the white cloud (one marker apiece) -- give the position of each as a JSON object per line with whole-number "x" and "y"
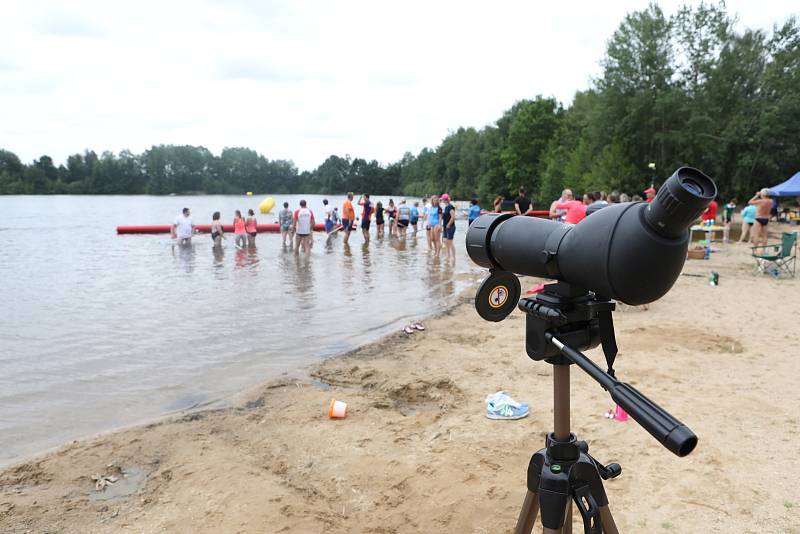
{"x": 293, "y": 80}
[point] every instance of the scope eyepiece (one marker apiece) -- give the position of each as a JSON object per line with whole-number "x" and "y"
{"x": 679, "y": 202}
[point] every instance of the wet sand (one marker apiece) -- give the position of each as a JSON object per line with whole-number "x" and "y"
{"x": 416, "y": 453}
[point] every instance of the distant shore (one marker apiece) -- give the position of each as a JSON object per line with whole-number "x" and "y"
{"x": 416, "y": 454}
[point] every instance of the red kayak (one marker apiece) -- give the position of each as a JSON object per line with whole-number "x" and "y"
{"x": 204, "y": 228}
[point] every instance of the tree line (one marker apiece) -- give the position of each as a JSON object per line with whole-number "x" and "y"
{"x": 684, "y": 89}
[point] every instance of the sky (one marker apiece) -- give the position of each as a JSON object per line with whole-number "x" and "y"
{"x": 294, "y": 80}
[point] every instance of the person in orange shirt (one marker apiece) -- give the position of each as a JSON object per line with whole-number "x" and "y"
{"x": 348, "y": 217}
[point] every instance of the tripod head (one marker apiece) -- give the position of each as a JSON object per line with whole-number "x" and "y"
{"x": 563, "y": 320}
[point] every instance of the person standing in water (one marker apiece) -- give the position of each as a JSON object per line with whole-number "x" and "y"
{"x": 285, "y": 224}
{"x": 304, "y": 225}
{"x": 435, "y": 224}
{"x": 328, "y": 216}
{"x": 183, "y": 228}
{"x": 251, "y": 227}
{"x": 426, "y": 211}
{"x": 348, "y": 217}
{"x": 217, "y": 234}
{"x": 366, "y": 214}
{"x": 239, "y": 231}
{"x": 403, "y": 218}
{"x": 414, "y": 217}
{"x": 391, "y": 213}
{"x": 379, "y": 222}
{"x": 448, "y": 227}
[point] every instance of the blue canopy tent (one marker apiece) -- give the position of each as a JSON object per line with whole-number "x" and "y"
{"x": 789, "y": 188}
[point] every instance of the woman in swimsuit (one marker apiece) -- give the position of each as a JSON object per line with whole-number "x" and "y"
{"x": 217, "y": 235}
{"x": 251, "y": 227}
{"x": 239, "y": 231}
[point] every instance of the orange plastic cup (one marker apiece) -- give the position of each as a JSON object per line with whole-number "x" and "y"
{"x": 337, "y": 409}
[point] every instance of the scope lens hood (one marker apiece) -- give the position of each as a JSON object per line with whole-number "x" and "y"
{"x": 478, "y": 238}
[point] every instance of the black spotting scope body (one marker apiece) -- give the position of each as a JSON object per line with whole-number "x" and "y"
{"x": 631, "y": 252}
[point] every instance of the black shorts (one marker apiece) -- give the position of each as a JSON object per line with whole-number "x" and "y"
{"x": 749, "y": 224}
{"x": 302, "y": 235}
{"x": 762, "y": 220}
{"x": 378, "y": 221}
{"x": 449, "y": 232}
{"x": 365, "y": 224}
{"x": 402, "y": 223}
{"x": 346, "y": 225}
{"x": 252, "y": 234}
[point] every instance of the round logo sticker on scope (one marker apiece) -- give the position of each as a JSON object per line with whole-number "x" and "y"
{"x": 498, "y": 297}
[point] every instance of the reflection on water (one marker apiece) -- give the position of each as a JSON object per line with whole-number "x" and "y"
{"x": 102, "y": 330}
{"x": 184, "y": 253}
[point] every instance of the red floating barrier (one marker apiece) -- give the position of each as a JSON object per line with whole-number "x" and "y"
{"x": 202, "y": 228}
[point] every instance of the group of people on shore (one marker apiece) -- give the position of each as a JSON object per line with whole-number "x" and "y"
{"x": 756, "y": 214}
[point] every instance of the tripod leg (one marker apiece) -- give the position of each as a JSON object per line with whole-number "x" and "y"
{"x": 607, "y": 521}
{"x": 527, "y": 516}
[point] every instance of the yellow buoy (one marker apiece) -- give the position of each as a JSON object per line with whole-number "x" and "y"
{"x": 249, "y": 193}
{"x": 266, "y": 205}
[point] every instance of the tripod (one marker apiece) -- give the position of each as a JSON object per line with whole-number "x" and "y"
{"x": 557, "y": 319}
{"x": 563, "y": 471}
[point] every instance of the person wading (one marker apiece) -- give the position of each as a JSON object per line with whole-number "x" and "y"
{"x": 348, "y": 217}
{"x": 183, "y": 228}
{"x": 304, "y": 225}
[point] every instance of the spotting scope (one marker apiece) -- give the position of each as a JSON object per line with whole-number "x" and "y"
{"x": 631, "y": 252}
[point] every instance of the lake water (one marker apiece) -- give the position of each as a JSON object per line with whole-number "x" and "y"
{"x": 101, "y": 330}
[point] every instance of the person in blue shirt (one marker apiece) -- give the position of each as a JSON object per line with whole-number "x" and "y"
{"x": 474, "y": 210}
{"x": 748, "y": 220}
{"x": 415, "y": 216}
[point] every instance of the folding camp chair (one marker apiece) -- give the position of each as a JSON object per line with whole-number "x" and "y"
{"x": 779, "y": 258}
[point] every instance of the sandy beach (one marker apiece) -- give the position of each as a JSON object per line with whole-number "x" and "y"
{"x": 417, "y": 454}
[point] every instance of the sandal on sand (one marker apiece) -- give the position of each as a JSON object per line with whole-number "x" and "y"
{"x": 408, "y": 330}
{"x": 418, "y": 326}
{"x": 500, "y": 405}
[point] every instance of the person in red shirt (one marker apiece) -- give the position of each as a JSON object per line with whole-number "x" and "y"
{"x": 650, "y": 193}
{"x": 711, "y": 212}
{"x": 576, "y": 211}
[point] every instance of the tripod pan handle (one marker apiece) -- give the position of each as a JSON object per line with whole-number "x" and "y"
{"x": 670, "y": 432}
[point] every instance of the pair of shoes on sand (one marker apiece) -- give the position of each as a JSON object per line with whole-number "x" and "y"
{"x": 411, "y": 328}
{"x": 500, "y": 405}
